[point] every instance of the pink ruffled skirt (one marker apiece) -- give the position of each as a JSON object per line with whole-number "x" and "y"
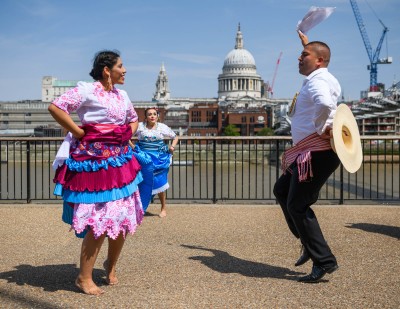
{"x": 99, "y": 183}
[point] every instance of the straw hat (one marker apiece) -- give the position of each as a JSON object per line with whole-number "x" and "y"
{"x": 346, "y": 139}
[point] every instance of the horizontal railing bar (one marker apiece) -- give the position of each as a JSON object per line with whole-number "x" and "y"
{"x": 218, "y": 138}
{"x": 212, "y": 169}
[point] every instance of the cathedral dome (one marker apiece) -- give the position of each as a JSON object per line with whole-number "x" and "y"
{"x": 239, "y": 58}
{"x": 239, "y": 76}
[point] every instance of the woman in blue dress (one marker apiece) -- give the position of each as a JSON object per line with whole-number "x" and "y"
{"x": 155, "y": 157}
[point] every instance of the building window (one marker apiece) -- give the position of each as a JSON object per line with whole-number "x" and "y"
{"x": 210, "y": 116}
{"x": 243, "y": 119}
{"x": 196, "y": 116}
{"x": 252, "y": 119}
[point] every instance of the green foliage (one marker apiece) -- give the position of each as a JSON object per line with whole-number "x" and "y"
{"x": 231, "y": 130}
{"x": 265, "y": 132}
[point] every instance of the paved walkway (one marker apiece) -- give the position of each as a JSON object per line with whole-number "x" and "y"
{"x": 204, "y": 256}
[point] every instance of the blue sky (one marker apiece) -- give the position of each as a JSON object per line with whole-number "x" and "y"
{"x": 192, "y": 38}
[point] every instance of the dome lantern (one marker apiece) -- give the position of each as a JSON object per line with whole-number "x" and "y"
{"x": 239, "y": 39}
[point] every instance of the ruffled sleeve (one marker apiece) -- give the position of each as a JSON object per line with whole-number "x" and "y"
{"x": 71, "y": 100}
{"x": 166, "y": 131}
{"x": 139, "y": 131}
{"x": 131, "y": 115}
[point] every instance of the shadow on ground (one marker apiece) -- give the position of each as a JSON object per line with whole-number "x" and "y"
{"x": 149, "y": 214}
{"x": 14, "y": 299}
{"x": 388, "y": 230}
{"x": 49, "y": 277}
{"x": 223, "y": 262}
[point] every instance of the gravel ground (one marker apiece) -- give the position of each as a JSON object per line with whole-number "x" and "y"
{"x": 204, "y": 256}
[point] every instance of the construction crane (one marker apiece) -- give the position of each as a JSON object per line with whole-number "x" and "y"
{"x": 373, "y": 56}
{"x": 270, "y": 88}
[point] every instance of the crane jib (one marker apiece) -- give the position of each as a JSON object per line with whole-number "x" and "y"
{"x": 373, "y": 56}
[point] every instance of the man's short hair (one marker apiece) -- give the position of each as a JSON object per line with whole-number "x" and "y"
{"x": 322, "y": 50}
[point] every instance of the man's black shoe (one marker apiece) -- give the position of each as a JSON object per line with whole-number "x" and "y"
{"x": 304, "y": 257}
{"x": 317, "y": 273}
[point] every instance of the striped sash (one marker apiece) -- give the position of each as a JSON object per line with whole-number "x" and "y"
{"x": 301, "y": 152}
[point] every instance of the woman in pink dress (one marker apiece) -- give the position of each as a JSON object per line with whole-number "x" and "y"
{"x": 99, "y": 178}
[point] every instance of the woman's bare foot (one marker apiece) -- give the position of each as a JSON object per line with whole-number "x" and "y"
{"x": 89, "y": 287}
{"x": 163, "y": 214}
{"x": 111, "y": 277}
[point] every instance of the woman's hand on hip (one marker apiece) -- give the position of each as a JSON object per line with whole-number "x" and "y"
{"x": 79, "y": 133}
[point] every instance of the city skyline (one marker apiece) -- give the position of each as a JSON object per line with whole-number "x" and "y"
{"x": 192, "y": 39}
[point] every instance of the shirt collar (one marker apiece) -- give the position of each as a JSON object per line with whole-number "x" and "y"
{"x": 317, "y": 71}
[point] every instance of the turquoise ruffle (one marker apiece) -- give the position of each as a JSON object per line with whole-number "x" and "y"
{"x": 87, "y": 197}
{"x": 94, "y": 166}
{"x": 68, "y": 215}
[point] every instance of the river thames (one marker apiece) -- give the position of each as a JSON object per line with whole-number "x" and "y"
{"x": 208, "y": 181}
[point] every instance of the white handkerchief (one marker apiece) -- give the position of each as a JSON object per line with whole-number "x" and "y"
{"x": 314, "y": 16}
{"x": 63, "y": 151}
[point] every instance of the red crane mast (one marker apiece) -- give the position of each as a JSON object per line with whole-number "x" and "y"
{"x": 271, "y": 88}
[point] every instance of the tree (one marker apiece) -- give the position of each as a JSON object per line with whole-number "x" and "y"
{"x": 231, "y": 130}
{"x": 265, "y": 132}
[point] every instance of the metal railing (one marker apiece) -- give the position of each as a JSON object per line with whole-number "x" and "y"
{"x": 213, "y": 170}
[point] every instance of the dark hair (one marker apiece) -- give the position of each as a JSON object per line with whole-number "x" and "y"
{"x": 149, "y": 108}
{"x": 322, "y": 49}
{"x": 104, "y": 58}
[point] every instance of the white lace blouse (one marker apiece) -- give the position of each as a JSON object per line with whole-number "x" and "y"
{"x": 161, "y": 132}
{"x": 95, "y": 105}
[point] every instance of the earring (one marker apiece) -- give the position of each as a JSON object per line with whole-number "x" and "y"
{"x": 109, "y": 83}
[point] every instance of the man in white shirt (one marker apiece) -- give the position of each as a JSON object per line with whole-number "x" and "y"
{"x": 309, "y": 163}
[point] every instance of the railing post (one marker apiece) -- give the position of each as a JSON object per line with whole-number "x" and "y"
{"x": 371, "y": 172}
{"x": 28, "y": 171}
{"x": 277, "y": 159}
{"x": 341, "y": 201}
{"x": 214, "y": 171}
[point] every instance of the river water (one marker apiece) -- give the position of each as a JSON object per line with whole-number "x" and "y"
{"x": 223, "y": 180}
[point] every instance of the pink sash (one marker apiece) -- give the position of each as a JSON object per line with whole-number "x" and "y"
{"x": 302, "y": 154}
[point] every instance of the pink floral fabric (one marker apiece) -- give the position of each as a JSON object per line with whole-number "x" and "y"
{"x": 95, "y": 105}
{"x": 69, "y": 101}
{"x": 112, "y": 101}
{"x": 131, "y": 114}
{"x": 98, "y": 149}
{"x": 113, "y": 217}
